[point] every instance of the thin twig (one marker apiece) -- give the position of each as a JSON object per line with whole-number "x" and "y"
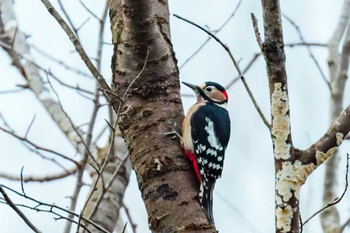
{"x": 37, "y": 147}
{"x": 235, "y": 63}
{"x": 29, "y": 127}
{"x": 245, "y": 70}
{"x": 78, "y": 47}
{"x": 65, "y": 13}
{"x": 89, "y": 11}
{"x": 337, "y": 199}
{"x": 124, "y": 227}
{"x": 41, "y": 178}
{"x": 301, "y": 37}
{"x": 256, "y": 31}
{"x": 309, "y": 44}
{"x": 30, "y": 146}
{"x": 59, "y": 62}
{"x": 133, "y": 225}
{"x": 75, "y": 129}
{"x": 342, "y": 227}
{"x": 105, "y": 162}
{"x": 18, "y": 211}
{"x": 51, "y": 208}
{"x": 22, "y": 184}
{"x": 215, "y": 32}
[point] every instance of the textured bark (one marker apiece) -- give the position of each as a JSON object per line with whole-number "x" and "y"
{"x": 167, "y": 184}
{"x": 287, "y": 193}
{"x": 292, "y": 165}
{"x": 105, "y": 211}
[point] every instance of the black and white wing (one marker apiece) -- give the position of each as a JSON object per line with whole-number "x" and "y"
{"x": 210, "y": 135}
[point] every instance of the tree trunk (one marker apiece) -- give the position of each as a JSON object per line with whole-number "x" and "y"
{"x": 292, "y": 166}
{"x": 167, "y": 184}
{"x": 330, "y": 218}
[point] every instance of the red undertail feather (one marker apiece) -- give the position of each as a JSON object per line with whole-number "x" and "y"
{"x": 192, "y": 157}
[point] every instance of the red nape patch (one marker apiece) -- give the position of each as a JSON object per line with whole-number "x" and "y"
{"x": 225, "y": 94}
{"x": 192, "y": 157}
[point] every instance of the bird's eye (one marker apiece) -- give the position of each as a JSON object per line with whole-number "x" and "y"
{"x": 208, "y": 89}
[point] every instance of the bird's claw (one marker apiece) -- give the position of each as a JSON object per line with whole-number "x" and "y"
{"x": 173, "y": 131}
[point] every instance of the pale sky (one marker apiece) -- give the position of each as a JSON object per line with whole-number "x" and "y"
{"x": 244, "y": 196}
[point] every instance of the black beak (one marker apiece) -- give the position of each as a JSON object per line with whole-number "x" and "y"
{"x": 193, "y": 87}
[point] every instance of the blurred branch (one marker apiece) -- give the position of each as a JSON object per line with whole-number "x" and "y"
{"x": 51, "y": 208}
{"x": 102, "y": 82}
{"x": 215, "y": 32}
{"x": 22, "y": 60}
{"x": 60, "y": 62}
{"x": 133, "y": 225}
{"x": 70, "y": 21}
{"x": 301, "y": 37}
{"x": 109, "y": 153}
{"x": 90, "y": 11}
{"x": 37, "y": 147}
{"x": 330, "y": 218}
{"x": 245, "y": 221}
{"x": 235, "y": 63}
{"x": 44, "y": 178}
{"x": 309, "y": 44}
{"x": 86, "y": 154}
{"x": 335, "y": 40}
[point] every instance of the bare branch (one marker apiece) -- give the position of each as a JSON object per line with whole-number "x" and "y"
{"x": 18, "y": 211}
{"x": 44, "y": 178}
{"x": 133, "y": 225}
{"x": 297, "y": 28}
{"x": 51, "y": 208}
{"x": 89, "y": 11}
{"x": 60, "y": 62}
{"x": 309, "y": 44}
{"x": 330, "y": 141}
{"x": 29, "y": 127}
{"x": 39, "y": 147}
{"x": 209, "y": 38}
{"x": 337, "y": 199}
{"x": 106, "y": 160}
{"x": 335, "y": 40}
{"x": 102, "y": 82}
{"x": 70, "y": 21}
{"x": 256, "y": 31}
{"x": 235, "y": 63}
{"x": 245, "y": 70}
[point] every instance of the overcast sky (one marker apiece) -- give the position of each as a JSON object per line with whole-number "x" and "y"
{"x": 244, "y": 196}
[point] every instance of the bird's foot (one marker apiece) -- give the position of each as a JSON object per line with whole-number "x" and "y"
{"x": 174, "y": 134}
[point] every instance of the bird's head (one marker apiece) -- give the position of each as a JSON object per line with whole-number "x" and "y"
{"x": 210, "y": 92}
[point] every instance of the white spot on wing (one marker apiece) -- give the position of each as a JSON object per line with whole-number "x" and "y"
{"x": 211, "y": 152}
{"x": 212, "y": 139}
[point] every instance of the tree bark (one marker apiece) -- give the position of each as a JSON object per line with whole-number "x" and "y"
{"x": 338, "y": 68}
{"x": 167, "y": 184}
{"x": 292, "y": 166}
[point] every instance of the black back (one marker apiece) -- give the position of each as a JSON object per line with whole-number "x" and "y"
{"x": 211, "y": 124}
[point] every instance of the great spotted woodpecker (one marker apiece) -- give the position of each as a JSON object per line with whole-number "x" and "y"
{"x": 205, "y": 135}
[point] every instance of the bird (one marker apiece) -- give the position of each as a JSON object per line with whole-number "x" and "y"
{"x": 205, "y": 136}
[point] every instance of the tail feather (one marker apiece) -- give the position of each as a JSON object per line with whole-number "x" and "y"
{"x": 207, "y": 199}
